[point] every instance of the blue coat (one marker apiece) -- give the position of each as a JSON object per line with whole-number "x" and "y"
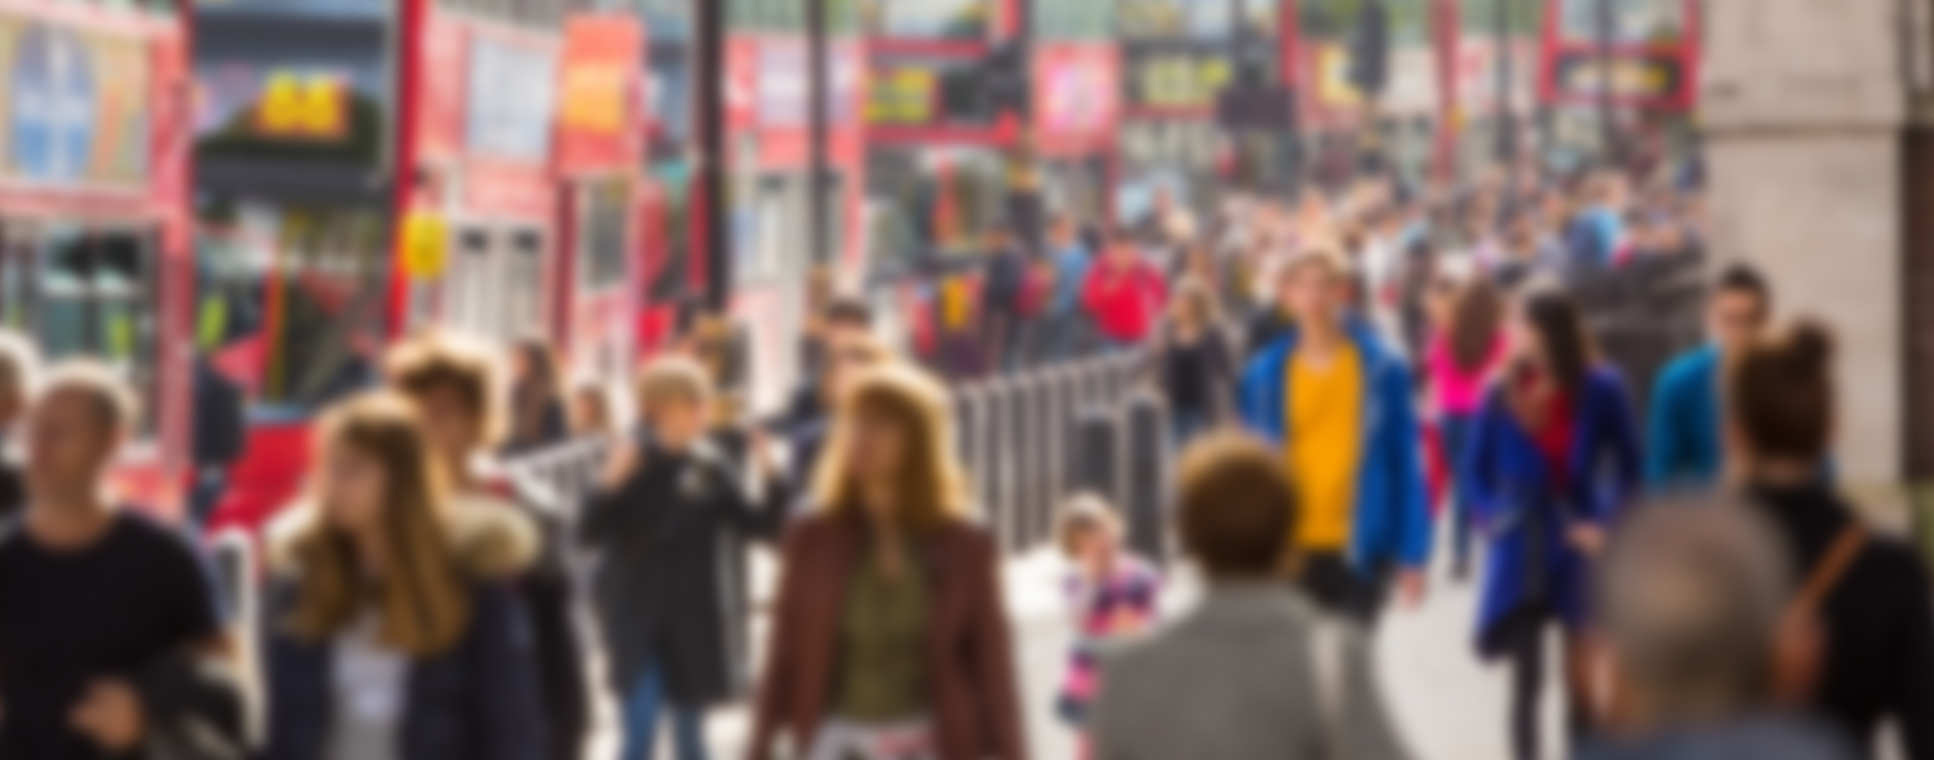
{"x": 478, "y": 701}
{"x": 1505, "y": 479}
{"x": 1682, "y": 443}
{"x": 1392, "y": 515}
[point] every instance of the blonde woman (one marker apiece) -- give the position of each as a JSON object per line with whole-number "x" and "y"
{"x": 891, "y": 640}
{"x": 384, "y": 640}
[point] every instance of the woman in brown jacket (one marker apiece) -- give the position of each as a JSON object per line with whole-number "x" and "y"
{"x": 891, "y": 640}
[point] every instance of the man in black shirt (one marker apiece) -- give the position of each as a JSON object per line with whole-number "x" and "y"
{"x": 108, "y": 621}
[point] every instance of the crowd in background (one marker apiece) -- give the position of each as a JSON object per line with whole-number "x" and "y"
{"x": 1344, "y": 374}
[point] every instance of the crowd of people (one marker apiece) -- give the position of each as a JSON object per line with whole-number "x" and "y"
{"x": 1338, "y": 373}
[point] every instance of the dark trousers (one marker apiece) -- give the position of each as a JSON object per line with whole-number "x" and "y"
{"x": 1523, "y": 637}
{"x": 1455, "y": 430}
{"x": 1341, "y": 589}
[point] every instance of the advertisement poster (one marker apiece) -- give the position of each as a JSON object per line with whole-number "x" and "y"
{"x": 76, "y": 105}
{"x": 1078, "y": 102}
{"x": 508, "y": 100}
{"x": 599, "y": 82}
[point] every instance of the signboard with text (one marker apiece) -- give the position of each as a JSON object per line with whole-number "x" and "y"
{"x": 599, "y": 85}
{"x": 296, "y": 98}
{"x": 76, "y": 104}
{"x": 507, "y": 103}
{"x": 1077, "y": 96}
{"x": 1172, "y": 77}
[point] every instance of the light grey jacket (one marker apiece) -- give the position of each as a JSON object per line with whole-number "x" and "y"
{"x": 1236, "y": 679}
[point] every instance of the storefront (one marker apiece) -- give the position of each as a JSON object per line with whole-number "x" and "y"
{"x": 94, "y": 223}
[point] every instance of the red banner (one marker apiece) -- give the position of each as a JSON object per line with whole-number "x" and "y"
{"x": 1077, "y": 104}
{"x": 597, "y": 94}
{"x": 440, "y": 109}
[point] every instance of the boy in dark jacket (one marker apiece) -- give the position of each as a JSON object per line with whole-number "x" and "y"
{"x": 659, "y": 587}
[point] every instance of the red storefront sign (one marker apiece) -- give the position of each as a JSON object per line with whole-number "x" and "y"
{"x": 1077, "y": 104}
{"x": 598, "y": 88}
{"x": 440, "y": 109}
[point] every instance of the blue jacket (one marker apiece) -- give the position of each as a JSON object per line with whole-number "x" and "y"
{"x": 1392, "y": 516}
{"x": 1504, "y": 478}
{"x": 1682, "y": 441}
{"x": 478, "y": 701}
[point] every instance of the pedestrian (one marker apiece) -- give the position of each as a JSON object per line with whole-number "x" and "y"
{"x": 845, "y": 339}
{"x": 536, "y": 402}
{"x": 657, "y": 522}
{"x": 1467, "y": 351}
{"x": 387, "y": 633}
{"x": 452, "y": 388}
{"x": 1255, "y": 670}
{"x": 1868, "y": 595}
{"x": 591, "y": 415}
{"x": 1684, "y": 437}
{"x": 1111, "y": 594}
{"x": 1066, "y": 324}
{"x": 1003, "y": 280}
{"x": 1123, "y": 293}
{"x": 220, "y": 435}
{"x": 1338, "y": 403}
{"x": 1549, "y": 462}
{"x": 1272, "y": 319}
{"x": 1689, "y": 642}
{"x": 112, "y": 641}
{"x": 17, "y": 365}
{"x": 890, "y": 639}
{"x": 1195, "y": 370}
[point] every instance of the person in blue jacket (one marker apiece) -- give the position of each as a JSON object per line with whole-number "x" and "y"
{"x": 1683, "y": 435}
{"x": 1339, "y": 404}
{"x": 1551, "y": 458}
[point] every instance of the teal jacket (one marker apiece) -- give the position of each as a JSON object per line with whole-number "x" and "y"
{"x": 1682, "y": 438}
{"x": 1391, "y": 523}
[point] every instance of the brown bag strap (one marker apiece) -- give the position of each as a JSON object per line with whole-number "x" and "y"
{"x": 1830, "y": 569}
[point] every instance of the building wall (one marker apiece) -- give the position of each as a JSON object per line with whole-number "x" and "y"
{"x": 1805, "y": 108}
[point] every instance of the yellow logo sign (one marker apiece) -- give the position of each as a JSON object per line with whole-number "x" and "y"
{"x": 426, "y": 245}
{"x": 305, "y": 106}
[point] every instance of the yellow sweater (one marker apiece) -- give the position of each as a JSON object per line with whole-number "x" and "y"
{"x": 1325, "y": 440}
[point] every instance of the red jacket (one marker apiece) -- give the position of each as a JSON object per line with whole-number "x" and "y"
{"x": 1124, "y": 304}
{"x": 970, "y": 664}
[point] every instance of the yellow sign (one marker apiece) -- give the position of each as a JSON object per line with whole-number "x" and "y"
{"x": 903, "y": 96}
{"x": 310, "y": 106}
{"x": 426, "y": 245}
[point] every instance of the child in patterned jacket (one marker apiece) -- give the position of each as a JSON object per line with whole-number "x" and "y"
{"x": 1110, "y": 593}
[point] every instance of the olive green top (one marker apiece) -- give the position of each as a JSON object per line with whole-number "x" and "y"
{"x": 882, "y": 671}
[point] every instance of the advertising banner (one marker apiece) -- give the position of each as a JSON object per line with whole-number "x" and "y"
{"x": 317, "y": 101}
{"x": 598, "y": 92}
{"x": 507, "y": 103}
{"x": 1077, "y": 100}
{"x": 76, "y": 105}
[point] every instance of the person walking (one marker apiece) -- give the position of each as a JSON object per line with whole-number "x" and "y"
{"x": 1194, "y": 368}
{"x": 890, "y": 639}
{"x": 451, "y": 386}
{"x": 1339, "y": 404}
{"x": 387, "y": 636}
{"x": 1066, "y": 325}
{"x": 17, "y": 365}
{"x": 1112, "y": 594}
{"x": 1003, "y": 280}
{"x": 112, "y": 642}
{"x": 1689, "y": 642}
{"x": 536, "y": 403}
{"x": 1466, "y": 352}
{"x": 1868, "y": 595}
{"x": 657, "y": 525}
{"x": 1550, "y": 460}
{"x": 1256, "y": 670}
{"x": 1685, "y": 435}
{"x": 1123, "y": 293}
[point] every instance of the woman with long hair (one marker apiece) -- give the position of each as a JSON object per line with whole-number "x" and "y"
{"x": 385, "y": 637}
{"x": 1467, "y": 348}
{"x": 537, "y": 417}
{"x": 1194, "y": 367}
{"x": 1868, "y": 595}
{"x": 890, "y": 639}
{"x": 1552, "y": 457}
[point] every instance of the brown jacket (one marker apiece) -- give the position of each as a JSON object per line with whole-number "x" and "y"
{"x": 970, "y": 665}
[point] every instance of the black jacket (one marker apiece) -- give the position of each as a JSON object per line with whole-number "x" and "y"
{"x": 478, "y": 701}
{"x": 660, "y": 590}
{"x": 1879, "y": 622}
{"x": 545, "y": 589}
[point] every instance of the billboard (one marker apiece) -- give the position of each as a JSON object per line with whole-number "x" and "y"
{"x": 76, "y": 104}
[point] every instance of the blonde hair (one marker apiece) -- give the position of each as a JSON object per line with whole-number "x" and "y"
{"x": 113, "y": 403}
{"x": 18, "y": 362}
{"x": 1085, "y": 511}
{"x": 931, "y": 487}
{"x": 423, "y": 607}
{"x": 1195, "y": 298}
{"x": 673, "y": 377}
{"x": 432, "y": 361}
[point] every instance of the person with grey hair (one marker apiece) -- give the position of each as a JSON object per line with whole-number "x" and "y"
{"x": 1697, "y": 640}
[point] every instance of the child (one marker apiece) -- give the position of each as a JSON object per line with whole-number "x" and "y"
{"x": 1110, "y": 593}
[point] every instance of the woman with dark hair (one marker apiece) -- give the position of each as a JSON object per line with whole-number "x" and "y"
{"x": 1552, "y": 457}
{"x": 1466, "y": 349}
{"x": 890, "y": 640}
{"x": 1869, "y": 595}
{"x": 536, "y": 401}
{"x": 1194, "y": 368}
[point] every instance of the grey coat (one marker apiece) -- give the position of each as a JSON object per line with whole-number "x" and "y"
{"x": 1236, "y": 679}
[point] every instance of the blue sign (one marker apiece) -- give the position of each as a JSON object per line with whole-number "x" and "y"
{"x": 52, "y": 114}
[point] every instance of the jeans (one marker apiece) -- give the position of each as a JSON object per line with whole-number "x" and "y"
{"x": 1455, "y": 432}
{"x": 643, "y": 703}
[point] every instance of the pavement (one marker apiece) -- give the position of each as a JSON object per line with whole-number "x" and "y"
{"x": 1447, "y": 704}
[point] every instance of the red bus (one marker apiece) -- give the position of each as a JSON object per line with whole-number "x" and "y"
{"x": 95, "y": 242}
{"x": 1653, "y": 54}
